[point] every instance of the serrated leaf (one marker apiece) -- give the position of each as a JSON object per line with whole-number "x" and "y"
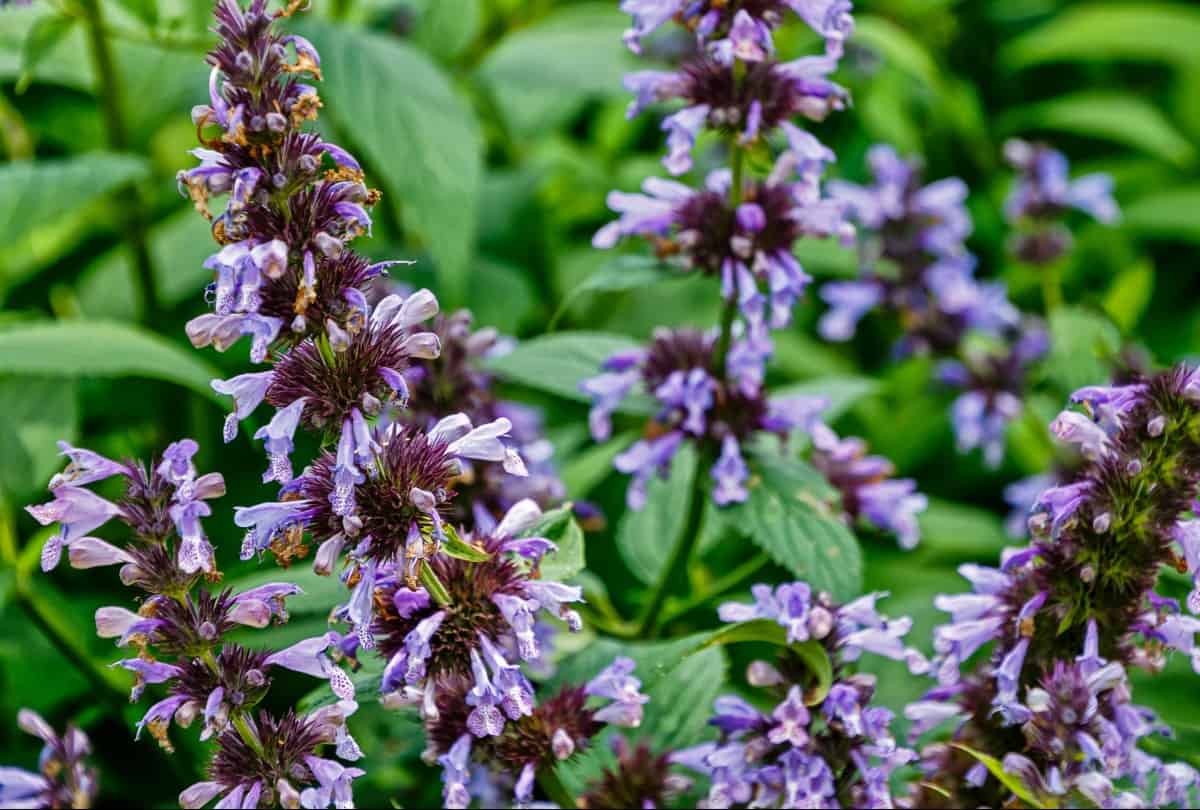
{"x": 1119, "y": 117}
{"x": 1168, "y": 213}
{"x": 101, "y": 349}
{"x": 557, "y": 364}
{"x": 37, "y": 192}
{"x": 621, "y": 274}
{"x": 1104, "y": 32}
{"x": 417, "y": 136}
{"x": 589, "y": 467}
{"x": 996, "y": 768}
{"x": 765, "y": 630}
{"x": 842, "y": 392}
{"x": 645, "y": 537}
{"x": 1081, "y": 345}
{"x": 788, "y": 515}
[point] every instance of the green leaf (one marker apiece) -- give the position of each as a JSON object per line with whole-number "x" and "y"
{"x": 559, "y": 526}
{"x": 557, "y": 364}
{"x": 37, "y": 192}
{"x": 897, "y": 47}
{"x": 1170, "y": 213}
{"x": 1104, "y": 32}
{"x": 645, "y": 537}
{"x": 35, "y": 413}
{"x": 101, "y": 349}
{"x": 789, "y": 516}
{"x": 544, "y": 73}
{"x": 1119, "y": 117}
{"x": 43, "y": 37}
{"x": 954, "y": 528}
{"x": 589, "y": 467}
{"x": 445, "y": 29}
{"x": 398, "y": 108}
{"x": 810, "y": 652}
{"x": 1129, "y": 295}
{"x": 842, "y": 392}
{"x": 618, "y": 275}
{"x": 454, "y": 547}
{"x": 1081, "y": 343}
{"x": 996, "y": 768}
{"x": 178, "y": 247}
{"x": 144, "y": 10}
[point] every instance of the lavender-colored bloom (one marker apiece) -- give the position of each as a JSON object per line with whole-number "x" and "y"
{"x": 77, "y": 511}
{"x": 63, "y": 779}
{"x": 617, "y": 683}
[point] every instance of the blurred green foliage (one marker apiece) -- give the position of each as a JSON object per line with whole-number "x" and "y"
{"x": 495, "y": 128}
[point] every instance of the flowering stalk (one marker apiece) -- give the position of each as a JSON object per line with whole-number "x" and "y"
{"x": 822, "y": 744}
{"x": 1068, "y": 615}
{"x": 63, "y": 779}
{"x": 179, "y": 632}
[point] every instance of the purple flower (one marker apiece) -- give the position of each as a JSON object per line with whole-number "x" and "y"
{"x": 618, "y": 684}
{"x": 77, "y": 511}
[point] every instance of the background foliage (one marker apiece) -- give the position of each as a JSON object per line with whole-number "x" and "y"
{"x": 495, "y": 128}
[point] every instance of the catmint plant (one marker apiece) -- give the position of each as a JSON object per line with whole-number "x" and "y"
{"x": 178, "y": 636}
{"x": 1063, "y": 620}
{"x": 63, "y": 778}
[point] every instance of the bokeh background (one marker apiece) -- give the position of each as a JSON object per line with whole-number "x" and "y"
{"x": 495, "y": 128}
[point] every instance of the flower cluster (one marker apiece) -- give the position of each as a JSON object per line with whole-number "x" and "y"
{"x": 538, "y": 737}
{"x": 179, "y": 632}
{"x": 1043, "y": 194}
{"x": 63, "y": 778}
{"x": 1068, "y": 615}
{"x": 917, "y": 232}
{"x": 738, "y": 228}
{"x": 724, "y": 413}
{"x": 822, "y": 744}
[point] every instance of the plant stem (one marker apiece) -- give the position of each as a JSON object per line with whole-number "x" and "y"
{"x": 1051, "y": 277}
{"x": 245, "y": 732}
{"x": 555, "y": 790}
{"x": 674, "y": 574}
{"x": 434, "y": 585}
{"x": 719, "y": 586}
{"x": 128, "y": 198}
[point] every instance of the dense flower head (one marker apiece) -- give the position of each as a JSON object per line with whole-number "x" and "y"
{"x": 744, "y": 239}
{"x": 63, "y": 779}
{"x": 993, "y": 381}
{"x": 815, "y": 747}
{"x": 279, "y": 766}
{"x": 1042, "y": 195}
{"x": 335, "y": 382}
{"x": 739, "y": 29}
{"x": 920, "y": 231}
{"x": 640, "y": 778}
{"x": 163, "y": 504}
{"x": 697, "y": 403}
{"x": 1065, "y": 617}
{"x": 284, "y": 270}
{"x": 456, "y": 381}
{"x": 485, "y": 625}
{"x": 869, "y": 492}
{"x": 557, "y": 729}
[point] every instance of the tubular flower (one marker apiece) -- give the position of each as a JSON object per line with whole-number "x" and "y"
{"x": 813, "y": 749}
{"x": 1062, "y": 620}
{"x": 63, "y": 779}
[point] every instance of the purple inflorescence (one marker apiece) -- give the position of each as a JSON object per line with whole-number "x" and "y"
{"x": 1065, "y": 618}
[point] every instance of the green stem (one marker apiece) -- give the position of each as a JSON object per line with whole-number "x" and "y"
{"x": 674, "y": 575}
{"x": 555, "y": 790}
{"x": 13, "y": 132}
{"x": 129, "y": 198}
{"x": 718, "y": 586}
{"x": 245, "y": 732}
{"x": 1052, "y": 294}
{"x": 434, "y": 585}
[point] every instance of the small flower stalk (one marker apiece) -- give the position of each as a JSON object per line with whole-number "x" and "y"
{"x": 1033, "y": 667}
